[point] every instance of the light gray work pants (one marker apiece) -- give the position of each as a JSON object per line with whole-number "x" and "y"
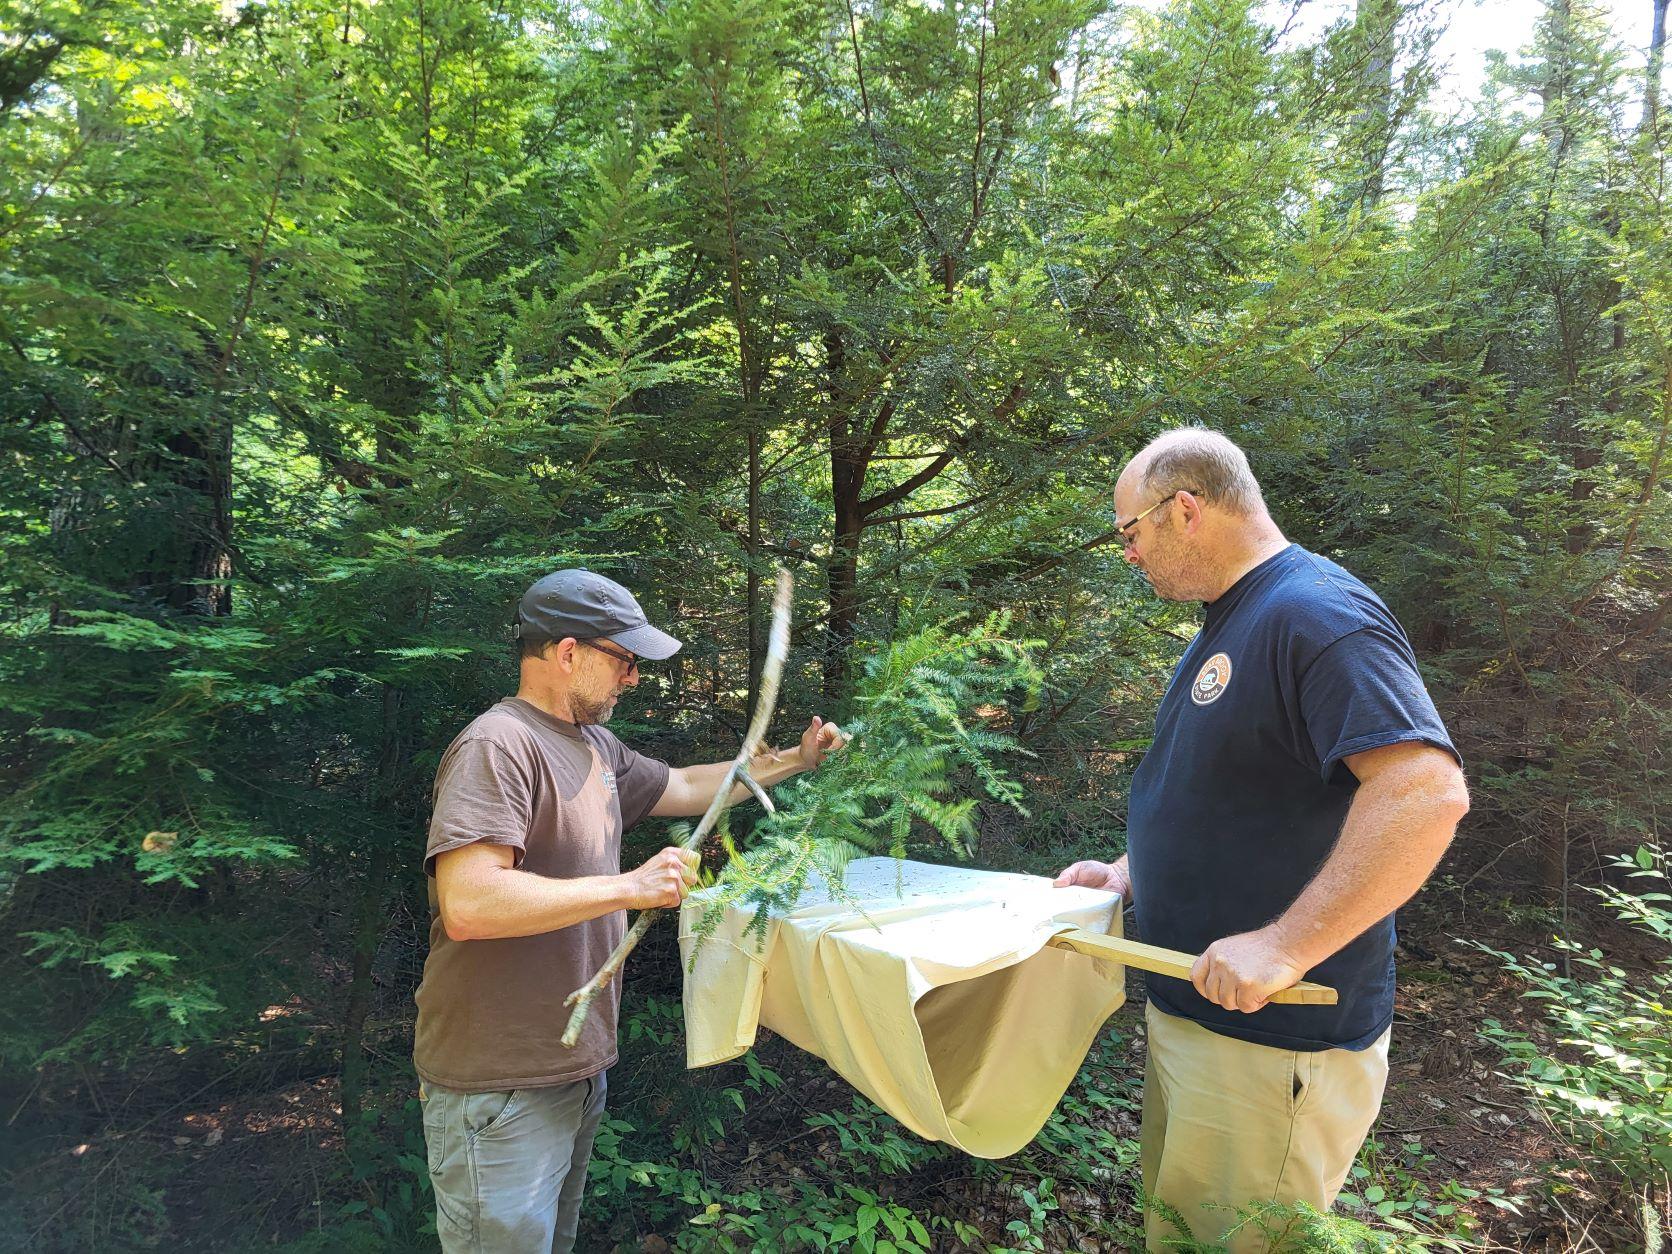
{"x": 509, "y": 1168}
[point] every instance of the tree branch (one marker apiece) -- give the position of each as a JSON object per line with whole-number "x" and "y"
{"x": 772, "y": 670}
{"x": 1003, "y": 410}
{"x": 1096, "y": 542}
{"x": 879, "y": 428}
{"x": 980, "y": 124}
{"x": 930, "y": 513}
{"x": 902, "y": 490}
{"x": 876, "y": 144}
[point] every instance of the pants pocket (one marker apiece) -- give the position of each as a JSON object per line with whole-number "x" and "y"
{"x": 486, "y": 1113}
{"x": 447, "y": 1156}
{"x": 434, "y": 1117}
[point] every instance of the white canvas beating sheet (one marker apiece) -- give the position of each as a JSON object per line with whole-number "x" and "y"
{"x": 936, "y": 997}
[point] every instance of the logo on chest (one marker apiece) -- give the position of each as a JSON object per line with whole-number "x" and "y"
{"x": 1211, "y": 680}
{"x": 608, "y": 778}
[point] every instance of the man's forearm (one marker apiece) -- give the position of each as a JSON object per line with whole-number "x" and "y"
{"x": 502, "y": 902}
{"x": 690, "y": 789}
{"x": 765, "y": 768}
{"x": 1397, "y": 828}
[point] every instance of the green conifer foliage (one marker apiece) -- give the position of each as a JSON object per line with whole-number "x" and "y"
{"x": 326, "y": 326}
{"x": 921, "y": 758}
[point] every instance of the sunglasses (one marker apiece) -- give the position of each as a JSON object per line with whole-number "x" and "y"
{"x": 631, "y": 662}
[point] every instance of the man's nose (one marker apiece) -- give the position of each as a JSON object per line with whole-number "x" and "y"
{"x": 1130, "y": 553}
{"x": 632, "y": 680}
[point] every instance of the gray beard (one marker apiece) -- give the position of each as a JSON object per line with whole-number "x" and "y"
{"x": 590, "y": 713}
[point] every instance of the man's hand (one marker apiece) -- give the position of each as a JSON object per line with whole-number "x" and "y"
{"x": 819, "y": 741}
{"x": 663, "y": 880}
{"x": 1109, "y": 875}
{"x": 1242, "y": 972}
{"x": 691, "y": 788}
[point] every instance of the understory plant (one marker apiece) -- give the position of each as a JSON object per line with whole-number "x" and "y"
{"x": 1608, "y": 1087}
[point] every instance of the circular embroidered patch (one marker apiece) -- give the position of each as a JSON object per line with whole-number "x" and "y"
{"x": 1211, "y": 680}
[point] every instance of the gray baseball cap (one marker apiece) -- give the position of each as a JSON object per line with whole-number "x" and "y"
{"x": 586, "y": 606}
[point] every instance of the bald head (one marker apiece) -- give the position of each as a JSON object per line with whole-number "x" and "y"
{"x": 1200, "y": 461}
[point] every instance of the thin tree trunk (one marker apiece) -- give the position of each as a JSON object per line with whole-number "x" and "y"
{"x": 1657, "y": 59}
{"x": 370, "y": 918}
{"x": 199, "y": 583}
{"x": 371, "y": 907}
{"x": 395, "y": 797}
{"x": 205, "y": 448}
{"x": 1554, "y": 90}
{"x": 753, "y": 580}
{"x": 847, "y": 486}
{"x": 843, "y": 575}
{"x": 1377, "y": 22}
{"x": 748, "y": 384}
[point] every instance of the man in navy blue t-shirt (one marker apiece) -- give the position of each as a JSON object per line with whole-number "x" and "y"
{"x": 1300, "y": 787}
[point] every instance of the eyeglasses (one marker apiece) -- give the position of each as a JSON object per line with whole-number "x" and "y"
{"x": 1125, "y": 528}
{"x": 631, "y": 661}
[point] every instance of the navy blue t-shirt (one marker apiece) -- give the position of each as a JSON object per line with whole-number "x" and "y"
{"x": 1243, "y": 793}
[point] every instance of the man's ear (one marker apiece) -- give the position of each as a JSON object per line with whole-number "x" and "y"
{"x": 563, "y": 653}
{"x": 1190, "y": 510}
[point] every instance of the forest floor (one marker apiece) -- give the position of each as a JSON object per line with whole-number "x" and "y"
{"x": 1456, "y": 1140}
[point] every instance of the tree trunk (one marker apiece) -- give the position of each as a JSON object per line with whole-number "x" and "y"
{"x": 206, "y": 448}
{"x": 753, "y": 576}
{"x": 205, "y": 482}
{"x": 1554, "y": 92}
{"x": 847, "y": 486}
{"x": 842, "y": 577}
{"x": 396, "y": 799}
{"x": 371, "y": 909}
{"x": 370, "y": 917}
{"x": 748, "y": 374}
{"x": 1377, "y": 23}
{"x": 1657, "y": 59}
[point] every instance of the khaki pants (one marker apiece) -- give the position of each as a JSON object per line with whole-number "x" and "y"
{"x": 1228, "y": 1123}
{"x": 509, "y": 1168}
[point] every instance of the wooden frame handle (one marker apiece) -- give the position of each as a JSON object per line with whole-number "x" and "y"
{"x": 1173, "y": 962}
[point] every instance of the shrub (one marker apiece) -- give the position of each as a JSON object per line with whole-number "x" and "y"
{"x": 1607, "y": 1090}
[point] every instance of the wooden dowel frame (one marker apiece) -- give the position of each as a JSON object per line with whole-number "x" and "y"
{"x": 1175, "y": 963}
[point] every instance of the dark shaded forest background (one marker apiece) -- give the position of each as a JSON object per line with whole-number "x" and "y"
{"x": 326, "y": 327}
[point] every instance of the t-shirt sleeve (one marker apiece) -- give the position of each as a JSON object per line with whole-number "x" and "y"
{"x": 640, "y": 780}
{"x": 481, "y": 794}
{"x": 1363, "y": 692}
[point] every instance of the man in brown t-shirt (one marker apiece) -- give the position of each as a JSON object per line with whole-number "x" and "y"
{"x": 528, "y": 898}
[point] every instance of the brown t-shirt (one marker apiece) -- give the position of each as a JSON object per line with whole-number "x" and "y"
{"x": 490, "y": 1012}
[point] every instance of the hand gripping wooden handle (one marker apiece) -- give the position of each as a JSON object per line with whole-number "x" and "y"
{"x": 1173, "y": 962}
